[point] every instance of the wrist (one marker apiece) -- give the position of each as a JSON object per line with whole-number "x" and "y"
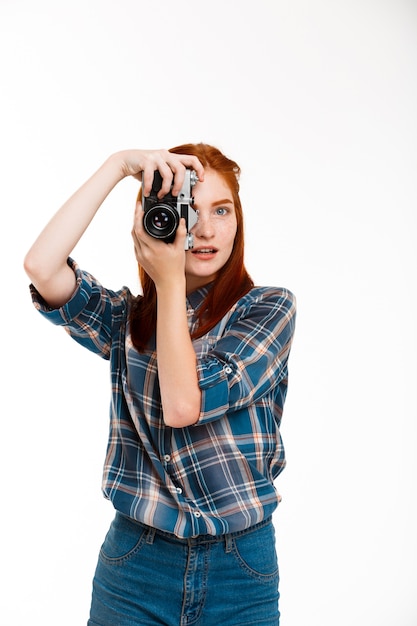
{"x": 116, "y": 163}
{"x": 171, "y": 288}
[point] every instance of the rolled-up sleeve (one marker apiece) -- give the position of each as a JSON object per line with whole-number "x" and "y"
{"x": 89, "y": 315}
{"x": 250, "y": 358}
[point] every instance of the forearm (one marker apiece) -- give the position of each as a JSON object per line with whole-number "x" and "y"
{"x": 59, "y": 237}
{"x": 46, "y": 261}
{"x": 177, "y": 371}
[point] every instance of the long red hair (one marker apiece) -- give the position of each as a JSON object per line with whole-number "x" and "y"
{"x": 232, "y": 281}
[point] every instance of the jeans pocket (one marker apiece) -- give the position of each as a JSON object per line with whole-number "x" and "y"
{"x": 123, "y": 540}
{"x": 256, "y": 554}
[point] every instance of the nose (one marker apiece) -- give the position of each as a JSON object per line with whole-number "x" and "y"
{"x": 204, "y": 229}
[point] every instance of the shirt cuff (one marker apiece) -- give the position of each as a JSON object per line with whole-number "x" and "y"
{"x": 214, "y": 385}
{"x": 71, "y": 309}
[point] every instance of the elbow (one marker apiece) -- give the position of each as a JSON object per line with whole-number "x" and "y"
{"x": 30, "y": 265}
{"x": 43, "y": 271}
{"x": 34, "y": 268}
{"x": 186, "y": 414}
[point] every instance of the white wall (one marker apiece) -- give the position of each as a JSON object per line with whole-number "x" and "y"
{"x": 316, "y": 101}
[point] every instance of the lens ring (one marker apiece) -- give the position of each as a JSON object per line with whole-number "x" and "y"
{"x": 161, "y": 221}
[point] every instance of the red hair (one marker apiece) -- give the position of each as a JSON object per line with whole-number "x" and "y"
{"x": 232, "y": 280}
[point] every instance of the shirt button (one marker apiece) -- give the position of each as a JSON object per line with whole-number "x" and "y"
{"x": 227, "y": 369}
{"x": 197, "y": 514}
{"x": 167, "y": 458}
{"x": 178, "y": 490}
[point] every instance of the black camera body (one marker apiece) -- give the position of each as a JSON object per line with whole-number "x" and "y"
{"x": 161, "y": 218}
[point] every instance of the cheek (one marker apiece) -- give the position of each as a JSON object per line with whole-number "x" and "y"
{"x": 228, "y": 242}
{"x": 230, "y": 234}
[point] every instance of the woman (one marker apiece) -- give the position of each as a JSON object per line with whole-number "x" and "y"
{"x": 199, "y": 366}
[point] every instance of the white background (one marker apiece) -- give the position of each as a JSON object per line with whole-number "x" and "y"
{"x": 317, "y": 101}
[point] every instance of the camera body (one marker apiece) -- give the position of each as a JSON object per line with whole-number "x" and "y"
{"x": 161, "y": 218}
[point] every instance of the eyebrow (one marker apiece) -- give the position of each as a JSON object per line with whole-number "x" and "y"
{"x": 225, "y": 201}
{"x": 218, "y": 202}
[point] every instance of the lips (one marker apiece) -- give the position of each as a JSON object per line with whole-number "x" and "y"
{"x": 204, "y": 251}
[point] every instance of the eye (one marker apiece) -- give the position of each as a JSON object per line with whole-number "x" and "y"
{"x": 221, "y": 210}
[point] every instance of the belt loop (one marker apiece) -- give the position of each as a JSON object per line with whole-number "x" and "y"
{"x": 150, "y": 535}
{"x": 228, "y": 541}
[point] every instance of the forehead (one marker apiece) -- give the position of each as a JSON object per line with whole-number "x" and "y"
{"x": 212, "y": 188}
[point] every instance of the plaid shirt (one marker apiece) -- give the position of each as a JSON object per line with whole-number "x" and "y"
{"x": 214, "y": 477}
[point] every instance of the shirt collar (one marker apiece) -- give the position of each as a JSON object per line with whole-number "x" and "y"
{"x": 195, "y": 298}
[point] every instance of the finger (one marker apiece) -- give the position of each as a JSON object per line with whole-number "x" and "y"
{"x": 180, "y": 234}
{"x": 167, "y": 175}
{"x": 172, "y": 169}
{"x": 191, "y": 162}
{"x": 148, "y": 175}
{"x": 140, "y": 236}
{"x": 138, "y": 217}
{"x": 179, "y": 175}
{"x": 136, "y": 246}
{"x": 147, "y": 180}
{"x": 179, "y": 170}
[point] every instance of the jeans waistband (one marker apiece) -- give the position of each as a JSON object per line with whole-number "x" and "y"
{"x": 200, "y": 539}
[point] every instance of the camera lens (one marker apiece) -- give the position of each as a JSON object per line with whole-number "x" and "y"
{"x": 161, "y": 221}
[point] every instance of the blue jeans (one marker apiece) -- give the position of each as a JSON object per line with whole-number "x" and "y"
{"x": 146, "y": 577}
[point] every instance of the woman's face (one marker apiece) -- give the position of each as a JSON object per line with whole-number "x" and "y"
{"x": 214, "y": 233}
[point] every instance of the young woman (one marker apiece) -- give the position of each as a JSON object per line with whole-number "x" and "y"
{"x": 199, "y": 367}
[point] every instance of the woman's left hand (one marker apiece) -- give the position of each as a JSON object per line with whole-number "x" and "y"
{"x": 163, "y": 262}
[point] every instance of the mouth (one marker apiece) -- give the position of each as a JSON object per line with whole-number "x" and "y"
{"x": 204, "y": 251}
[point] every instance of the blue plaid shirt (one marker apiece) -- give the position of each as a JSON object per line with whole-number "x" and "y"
{"x": 214, "y": 477}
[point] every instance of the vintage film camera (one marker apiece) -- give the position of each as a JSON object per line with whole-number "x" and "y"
{"x": 162, "y": 217}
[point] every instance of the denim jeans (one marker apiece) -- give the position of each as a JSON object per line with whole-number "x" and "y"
{"x": 146, "y": 577}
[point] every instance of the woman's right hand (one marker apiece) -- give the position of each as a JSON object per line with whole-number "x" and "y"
{"x": 141, "y": 164}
